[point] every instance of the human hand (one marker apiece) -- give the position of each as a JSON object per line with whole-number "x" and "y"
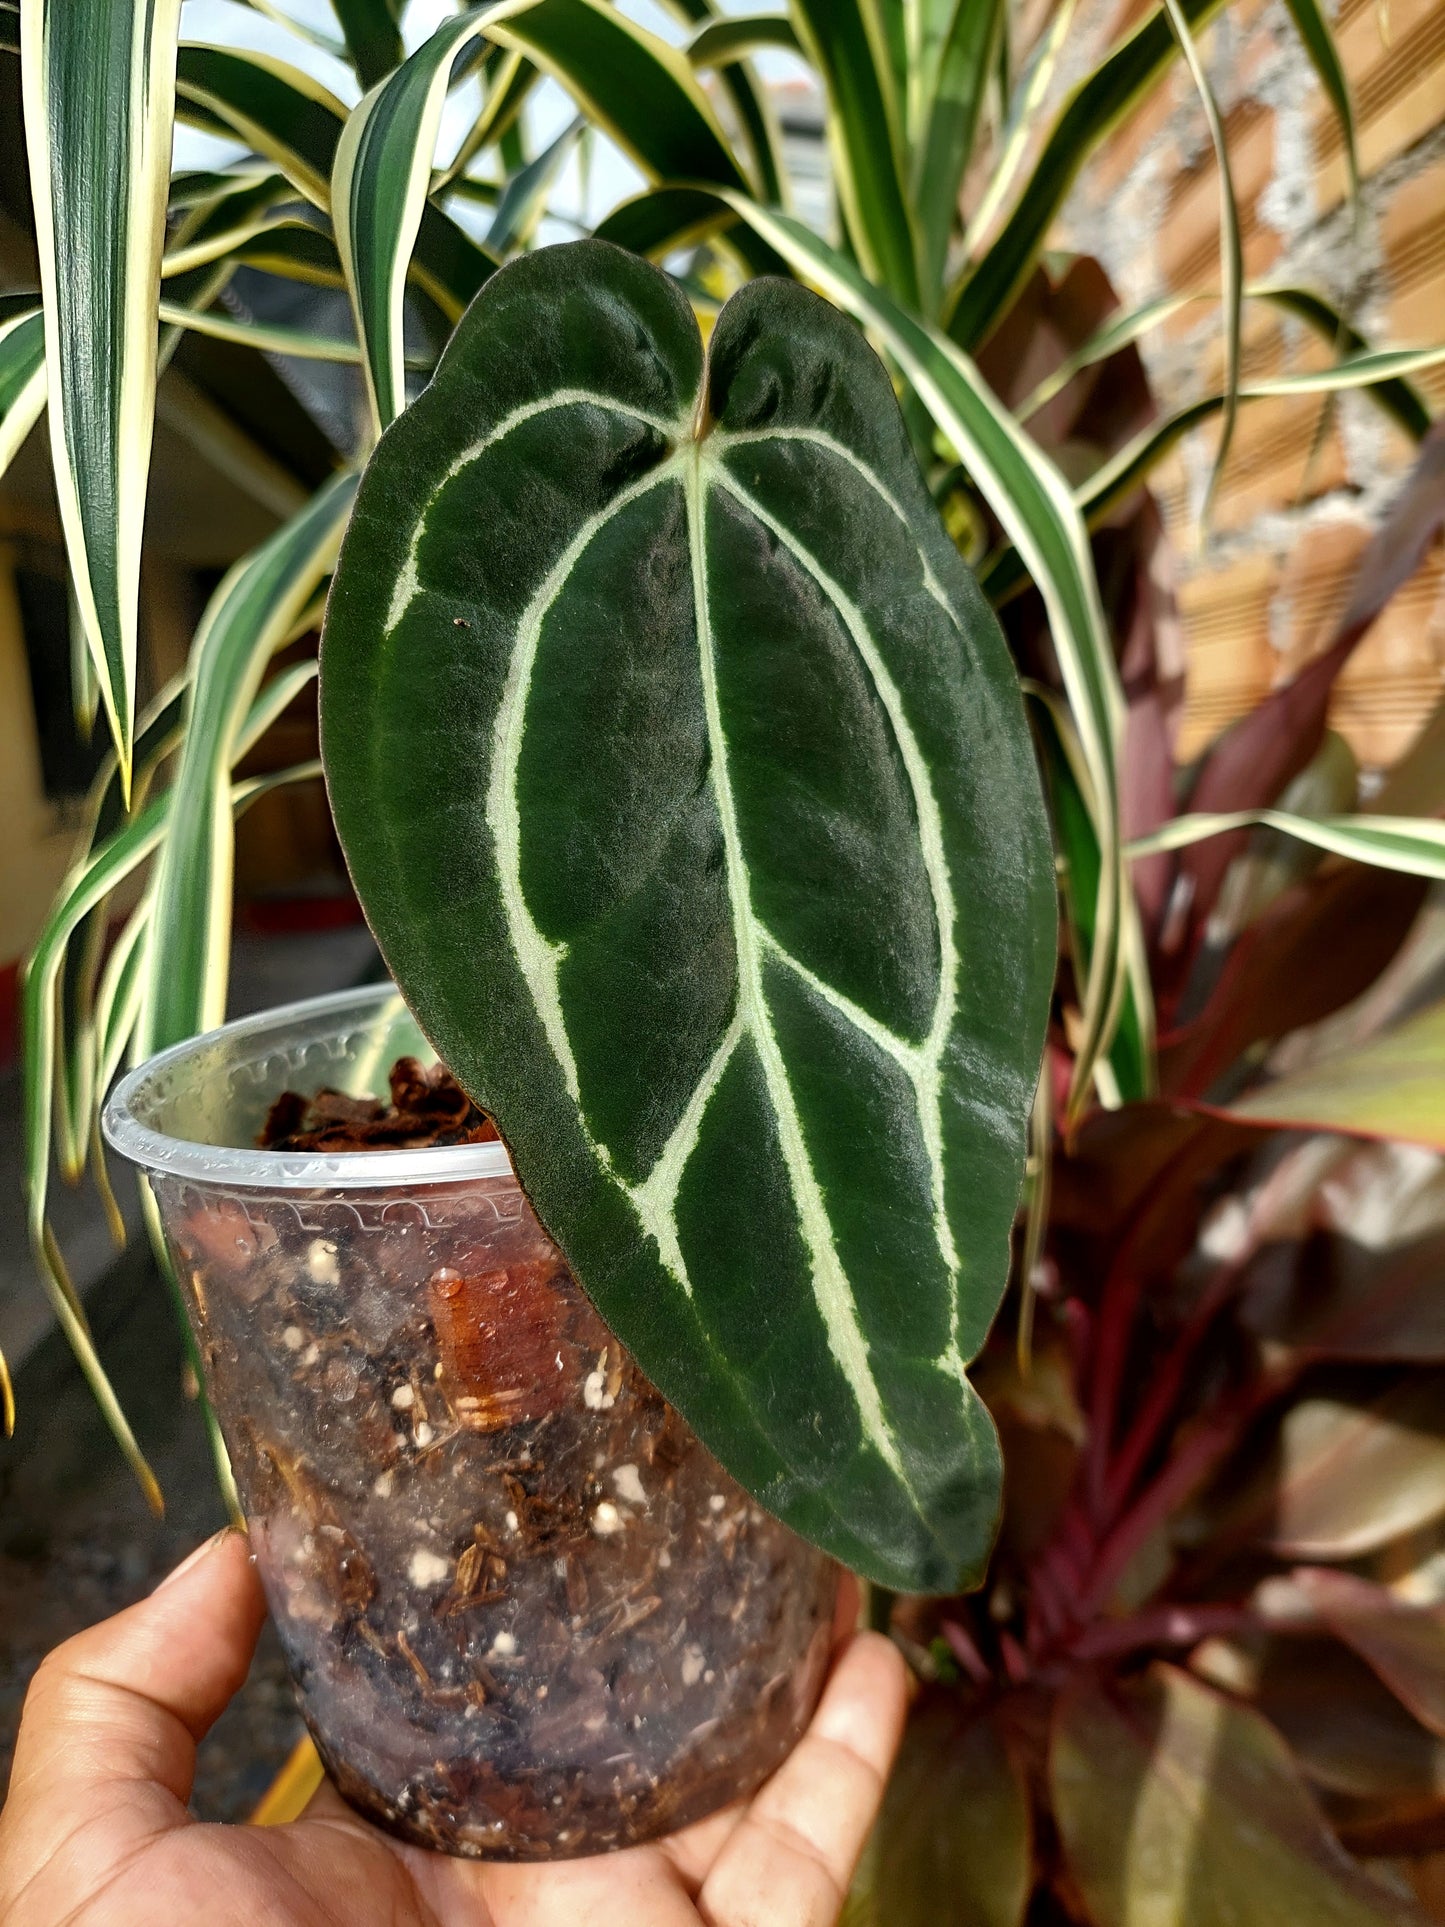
{"x": 96, "y": 1833}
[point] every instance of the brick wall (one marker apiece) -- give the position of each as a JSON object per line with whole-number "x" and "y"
{"x": 1306, "y": 480}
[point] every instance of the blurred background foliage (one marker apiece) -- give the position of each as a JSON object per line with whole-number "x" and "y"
{"x": 1205, "y": 1682}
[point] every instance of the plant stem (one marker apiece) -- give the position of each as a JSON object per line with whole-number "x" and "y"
{"x": 1158, "y": 1406}
{"x": 1167, "y": 1626}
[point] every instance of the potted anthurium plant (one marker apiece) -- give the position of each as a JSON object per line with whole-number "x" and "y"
{"x": 683, "y": 775}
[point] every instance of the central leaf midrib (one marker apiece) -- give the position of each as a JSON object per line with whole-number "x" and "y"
{"x": 539, "y": 958}
{"x": 925, "y": 1068}
{"x": 831, "y": 1288}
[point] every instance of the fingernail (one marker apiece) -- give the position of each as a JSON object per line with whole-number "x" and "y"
{"x": 195, "y": 1558}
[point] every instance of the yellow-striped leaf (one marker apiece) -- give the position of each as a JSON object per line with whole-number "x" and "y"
{"x": 247, "y": 619}
{"x": 22, "y": 378}
{"x": 98, "y": 80}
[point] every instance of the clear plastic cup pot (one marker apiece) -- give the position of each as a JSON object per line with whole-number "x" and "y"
{"x": 526, "y": 1612}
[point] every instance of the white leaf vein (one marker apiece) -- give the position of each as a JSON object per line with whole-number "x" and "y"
{"x": 408, "y": 582}
{"x": 655, "y": 1198}
{"x": 926, "y": 1068}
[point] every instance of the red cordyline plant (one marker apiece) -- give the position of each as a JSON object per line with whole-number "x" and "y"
{"x": 1205, "y": 1678}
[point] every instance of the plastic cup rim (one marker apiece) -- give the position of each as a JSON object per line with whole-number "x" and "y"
{"x": 246, "y": 1167}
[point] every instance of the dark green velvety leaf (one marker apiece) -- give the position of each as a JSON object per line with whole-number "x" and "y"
{"x": 684, "y": 777}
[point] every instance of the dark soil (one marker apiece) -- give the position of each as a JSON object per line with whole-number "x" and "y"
{"x": 529, "y": 1615}
{"x": 427, "y": 1107}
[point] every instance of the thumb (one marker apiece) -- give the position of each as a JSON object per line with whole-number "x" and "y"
{"x": 124, "y": 1703}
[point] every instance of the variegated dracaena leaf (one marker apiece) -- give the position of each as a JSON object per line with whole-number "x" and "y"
{"x": 684, "y": 777}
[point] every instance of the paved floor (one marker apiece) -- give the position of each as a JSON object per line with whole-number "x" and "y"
{"x": 77, "y": 1541}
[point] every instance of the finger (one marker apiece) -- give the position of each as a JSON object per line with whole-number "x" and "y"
{"x": 128, "y": 1699}
{"x": 791, "y": 1857}
{"x": 636, "y": 1888}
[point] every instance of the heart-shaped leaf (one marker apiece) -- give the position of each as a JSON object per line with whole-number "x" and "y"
{"x": 683, "y": 775}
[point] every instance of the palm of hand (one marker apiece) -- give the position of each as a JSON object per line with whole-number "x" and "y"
{"x": 96, "y": 1832}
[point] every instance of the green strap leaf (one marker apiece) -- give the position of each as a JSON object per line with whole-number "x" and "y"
{"x": 1124, "y": 1071}
{"x": 717, "y": 42}
{"x": 642, "y": 93}
{"x": 297, "y": 123}
{"x": 118, "y": 999}
{"x": 157, "y": 734}
{"x": 512, "y": 80}
{"x": 266, "y": 337}
{"x": 961, "y": 65}
{"x": 208, "y": 228}
{"x": 1413, "y": 844}
{"x": 1397, "y": 398}
{"x": 525, "y": 195}
{"x": 1124, "y": 471}
{"x": 1379, "y": 373}
{"x": 89, "y": 885}
{"x": 1231, "y": 249}
{"x": 1019, "y": 107}
{"x": 735, "y": 903}
{"x": 1089, "y": 115}
{"x": 1394, "y": 395}
{"x": 379, "y": 188}
{"x": 22, "y": 380}
{"x": 247, "y": 618}
{"x": 291, "y": 245}
{"x": 845, "y": 41}
{"x": 270, "y": 10}
{"x": 278, "y": 110}
{"x": 1313, "y": 28}
{"x": 98, "y": 82}
{"x": 373, "y": 38}
{"x": 720, "y": 44}
{"x": 655, "y": 223}
{"x": 637, "y": 88}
